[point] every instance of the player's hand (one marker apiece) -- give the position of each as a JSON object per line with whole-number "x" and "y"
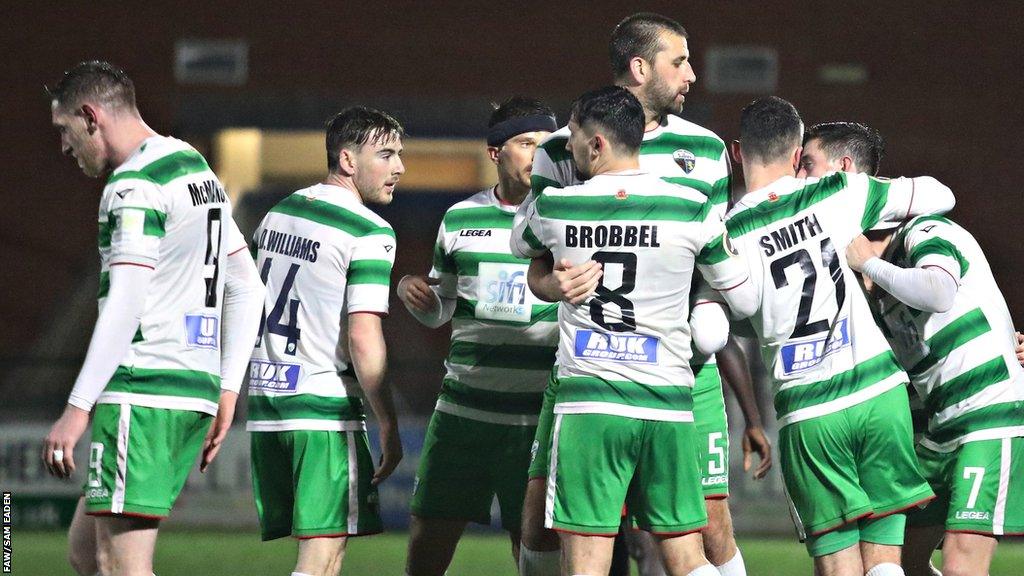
{"x": 577, "y": 283}
{"x": 1020, "y": 348}
{"x": 415, "y": 291}
{"x": 390, "y": 453}
{"x": 755, "y": 441}
{"x": 859, "y": 252}
{"x": 59, "y": 444}
{"x": 219, "y": 429}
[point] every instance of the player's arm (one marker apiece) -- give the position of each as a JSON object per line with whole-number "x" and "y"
{"x": 136, "y": 226}
{"x": 369, "y": 358}
{"x": 930, "y": 285}
{"x": 709, "y": 318}
{"x": 241, "y": 313}
{"x": 725, "y": 270}
{"x": 733, "y": 364}
{"x": 368, "y": 283}
{"x": 900, "y": 198}
{"x": 431, "y": 299}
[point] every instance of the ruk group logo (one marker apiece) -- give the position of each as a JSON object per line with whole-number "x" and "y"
{"x": 202, "y": 331}
{"x": 804, "y": 355}
{"x": 601, "y": 346}
{"x": 273, "y": 376}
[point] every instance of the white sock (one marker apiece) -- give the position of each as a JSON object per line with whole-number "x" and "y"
{"x": 705, "y": 570}
{"x": 300, "y": 574}
{"x": 886, "y": 569}
{"x": 734, "y": 567}
{"x": 539, "y": 562}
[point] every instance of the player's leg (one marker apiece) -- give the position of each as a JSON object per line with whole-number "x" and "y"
{"x": 965, "y": 554}
{"x": 665, "y": 496}
{"x": 320, "y": 556}
{"x": 918, "y": 545}
{"x": 139, "y": 460}
{"x": 881, "y": 540}
{"x": 986, "y": 502}
{"x": 593, "y": 460}
{"x": 713, "y": 453}
{"x": 925, "y": 526}
{"x": 125, "y": 545}
{"x": 643, "y": 547}
{"x": 539, "y": 551}
{"x": 82, "y": 542}
{"x": 452, "y": 487}
{"x": 509, "y": 479}
{"x": 432, "y": 543}
{"x": 838, "y": 552}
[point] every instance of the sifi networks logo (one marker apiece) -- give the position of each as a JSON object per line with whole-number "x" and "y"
{"x": 502, "y": 292}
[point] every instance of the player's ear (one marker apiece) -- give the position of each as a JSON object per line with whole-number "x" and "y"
{"x": 846, "y": 164}
{"x": 492, "y": 153}
{"x": 735, "y": 152}
{"x": 639, "y": 69}
{"x": 347, "y": 161}
{"x": 794, "y": 159}
{"x": 90, "y": 115}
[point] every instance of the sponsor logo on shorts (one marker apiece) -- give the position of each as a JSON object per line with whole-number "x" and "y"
{"x": 97, "y": 493}
{"x": 714, "y": 480}
{"x": 972, "y": 515}
{"x": 501, "y": 294}
{"x": 273, "y": 376}
{"x": 631, "y": 348}
{"x": 202, "y": 331}
{"x": 807, "y": 354}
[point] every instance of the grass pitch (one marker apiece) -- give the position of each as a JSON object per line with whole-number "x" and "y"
{"x": 181, "y": 553}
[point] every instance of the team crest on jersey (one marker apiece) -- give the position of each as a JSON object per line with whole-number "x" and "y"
{"x": 807, "y": 354}
{"x": 273, "y": 376}
{"x": 202, "y": 331}
{"x": 685, "y": 159}
{"x": 632, "y": 348}
{"x": 501, "y": 292}
{"x": 621, "y": 194}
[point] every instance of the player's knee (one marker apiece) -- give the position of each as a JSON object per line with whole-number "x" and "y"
{"x": 83, "y": 562}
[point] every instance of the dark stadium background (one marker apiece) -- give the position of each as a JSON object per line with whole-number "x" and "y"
{"x": 943, "y": 85}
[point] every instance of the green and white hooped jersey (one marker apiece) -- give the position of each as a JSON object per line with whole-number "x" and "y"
{"x": 323, "y": 256}
{"x": 963, "y": 361}
{"x": 819, "y": 340}
{"x": 503, "y": 337}
{"x": 625, "y": 351}
{"x": 163, "y": 208}
{"x": 679, "y": 152}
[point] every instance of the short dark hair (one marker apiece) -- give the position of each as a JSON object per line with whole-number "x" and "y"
{"x": 518, "y": 107}
{"x": 101, "y": 82}
{"x": 617, "y": 111}
{"x": 639, "y": 35}
{"x": 769, "y": 128}
{"x": 355, "y": 126}
{"x": 862, "y": 143}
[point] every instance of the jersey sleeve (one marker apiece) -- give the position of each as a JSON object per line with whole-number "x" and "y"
{"x": 895, "y": 200}
{"x": 443, "y": 267}
{"x": 553, "y": 166}
{"x": 136, "y": 222}
{"x": 234, "y": 239}
{"x": 932, "y": 242}
{"x": 721, "y": 188}
{"x": 527, "y": 233}
{"x": 368, "y": 279}
{"x": 725, "y": 270}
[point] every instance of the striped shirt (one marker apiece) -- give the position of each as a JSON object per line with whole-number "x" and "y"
{"x": 625, "y": 351}
{"x": 503, "y": 337}
{"x": 963, "y": 361}
{"x": 164, "y": 208}
{"x": 323, "y": 256}
{"x": 818, "y": 337}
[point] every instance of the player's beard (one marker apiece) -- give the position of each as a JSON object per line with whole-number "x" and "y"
{"x": 661, "y": 98}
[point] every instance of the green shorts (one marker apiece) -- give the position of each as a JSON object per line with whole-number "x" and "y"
{"x": 600, "y": 462}
{"x": 540, "y": 452}
{"x": 712, "y": 431}
{"x": 979, "y": 487}
{"x": 140, "y": 457}
{"x": 465, "y": 464}
{"x": 852, "y": 464}
{"x": 314, "y": 483}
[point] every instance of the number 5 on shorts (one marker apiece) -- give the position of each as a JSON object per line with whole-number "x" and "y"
{"x": 716, "y": 460}
{"x": 978, "y": 472}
